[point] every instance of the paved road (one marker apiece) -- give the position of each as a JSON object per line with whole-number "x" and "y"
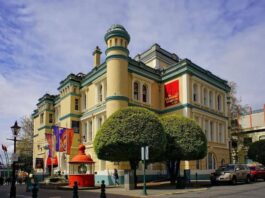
{"x": 256, "y": 190}
{"x": 50, "y": 193}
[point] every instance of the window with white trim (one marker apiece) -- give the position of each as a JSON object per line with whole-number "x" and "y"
{"x": 219, "y": 103}
{"x": 136, "y": 90}
{"x": 205, "y": 97}
{"x": 210, "y": 99}
{"x": 85, "y": 134}
{"x": 90, "y": 131}
{"x": 100, "y": 93}
{"x": 211, "y": 161}
{"x": 195, "y": 93}
{"x": 145, "y": 93}
{"x": 211, "y": 131}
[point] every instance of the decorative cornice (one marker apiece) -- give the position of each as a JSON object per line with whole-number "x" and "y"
{"x": 124, "y": 98}
{"x": 70, "y": 94}
{"x": 69, "y": 115}
{"x": 117, "y": 56}
{"x": 44, "y": 127}
{"x": 94, "y": 74}
{"x": 117, "y": 48}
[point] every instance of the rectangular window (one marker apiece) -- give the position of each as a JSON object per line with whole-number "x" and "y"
{"x": 90, "y": 131}
{"x": 50, "y": 118}
{"x": 41, "y": 118}
{"x": 85, "y": 132}
{"x": 75, "y": 126}
{"x": 76, "y": 104}
{"x": 211, "y": 131}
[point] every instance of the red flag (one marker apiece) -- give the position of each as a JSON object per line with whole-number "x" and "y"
{"x": 66, "y": 141}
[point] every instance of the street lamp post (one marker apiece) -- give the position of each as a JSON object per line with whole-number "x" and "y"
{"x": 15, "y": 130}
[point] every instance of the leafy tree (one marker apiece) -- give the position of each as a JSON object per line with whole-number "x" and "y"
{"x": 256, "y": 151}
{"x": 124, "y": 133}
{"x": 185, "y": 141}
{"x": 25, "y": 143}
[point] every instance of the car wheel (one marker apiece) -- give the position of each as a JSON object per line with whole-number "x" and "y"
{"x": 213, "y": 182}
{"x": 233, "y": 181}
{"x": 248, "y": 179}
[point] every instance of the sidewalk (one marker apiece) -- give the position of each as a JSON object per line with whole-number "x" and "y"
{"x": 156, "y": 189}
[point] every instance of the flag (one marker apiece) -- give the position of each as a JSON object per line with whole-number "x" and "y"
{"x": 58, "y": 134}
{"x": 66, "y": 140}
{"x": 50, "y": 143}
{"x": 4, "y": 148}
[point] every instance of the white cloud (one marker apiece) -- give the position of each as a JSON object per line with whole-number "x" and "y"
{"x": 46, "y": 40}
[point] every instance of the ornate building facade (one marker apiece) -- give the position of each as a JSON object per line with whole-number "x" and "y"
{"x": 155, "y": 79}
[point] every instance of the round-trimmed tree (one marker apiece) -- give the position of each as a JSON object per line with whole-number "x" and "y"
{"x": 124, "y": 133}
{"x": 185, "y": 141}
{"x": 256, "y": 151}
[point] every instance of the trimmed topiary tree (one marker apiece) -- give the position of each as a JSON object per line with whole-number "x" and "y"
{"x": 124, "y": 133}
{"x": 185, "y": 141}
{"x": 256, "y": 151}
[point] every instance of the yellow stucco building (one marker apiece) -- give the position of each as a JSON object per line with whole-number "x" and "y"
{"x": 155, "y": 79}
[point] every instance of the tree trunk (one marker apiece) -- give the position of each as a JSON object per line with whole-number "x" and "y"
{"x": 178, "y": 170}
{"x": 171, "y": 170}
{"x": 134, "y": 165}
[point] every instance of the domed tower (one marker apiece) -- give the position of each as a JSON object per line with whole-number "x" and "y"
{"x": 117, "y": 40}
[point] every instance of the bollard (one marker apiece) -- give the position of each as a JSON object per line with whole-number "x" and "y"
{"x": 196, "y": 177}
{"x": 75, "y": 190}
{"x": 35, "y": 191}
{"x": 102, "y": 188}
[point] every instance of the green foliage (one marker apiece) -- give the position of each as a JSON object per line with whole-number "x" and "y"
{"x": 185, "y": 139}
{"x": 124, "y": 133}
{"x": 256, "y": 151}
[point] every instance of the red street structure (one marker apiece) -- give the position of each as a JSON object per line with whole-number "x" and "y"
{"x": 81, "y": 169}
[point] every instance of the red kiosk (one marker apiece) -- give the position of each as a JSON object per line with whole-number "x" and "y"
{"x": 81, "y": 169}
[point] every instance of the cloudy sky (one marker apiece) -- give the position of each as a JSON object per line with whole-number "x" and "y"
{"x": 42, "y": 41}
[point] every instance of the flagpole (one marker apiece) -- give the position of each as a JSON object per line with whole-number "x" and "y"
{"x": 52, "y": 157}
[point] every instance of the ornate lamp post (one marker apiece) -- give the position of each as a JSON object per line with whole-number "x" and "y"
{"x": 15, "y": 130}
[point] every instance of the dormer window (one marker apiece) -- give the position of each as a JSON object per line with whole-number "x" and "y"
{"x": 136, "y": 91}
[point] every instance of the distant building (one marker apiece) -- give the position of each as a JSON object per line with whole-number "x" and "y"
{"x": 155, "y": 79}
{"x": 250, "y": 128}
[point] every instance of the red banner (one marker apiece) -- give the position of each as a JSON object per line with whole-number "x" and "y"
{"x": 66, "y": 141}
{"x": 171, "y": 93}
{"x": 49, "y": 138}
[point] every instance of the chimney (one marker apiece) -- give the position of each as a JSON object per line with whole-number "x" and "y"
{"x": 96, "y": 55}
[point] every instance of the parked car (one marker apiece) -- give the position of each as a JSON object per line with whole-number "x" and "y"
{"x": 257, "y": 172}
{"x": 231, "y": 173}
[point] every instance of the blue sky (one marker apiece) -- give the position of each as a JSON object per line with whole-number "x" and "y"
{"x": 42, "y": 41}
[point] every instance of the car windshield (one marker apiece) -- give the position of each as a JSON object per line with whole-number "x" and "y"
{"x": 226, "y": 168}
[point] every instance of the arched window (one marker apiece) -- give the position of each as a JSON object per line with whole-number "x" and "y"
{"x": 219, "y": 103}
{"x": 222, "y": 162}
{"x": 205, "y": 97}
{"x": 195, "y": 92}
{"x": 211, "y": 161}
{"x": 145, "y": 93}
{"x": 136, "y": 91}
{"x": 211, "y": 99}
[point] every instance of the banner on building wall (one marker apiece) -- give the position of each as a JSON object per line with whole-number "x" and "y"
{"x": 171, "y": 93}
{"x": 39, "y": 163}
{"x": 58, "y": 132}
{"x": 66, "y": 141}
{"x": 49, "y": 138}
